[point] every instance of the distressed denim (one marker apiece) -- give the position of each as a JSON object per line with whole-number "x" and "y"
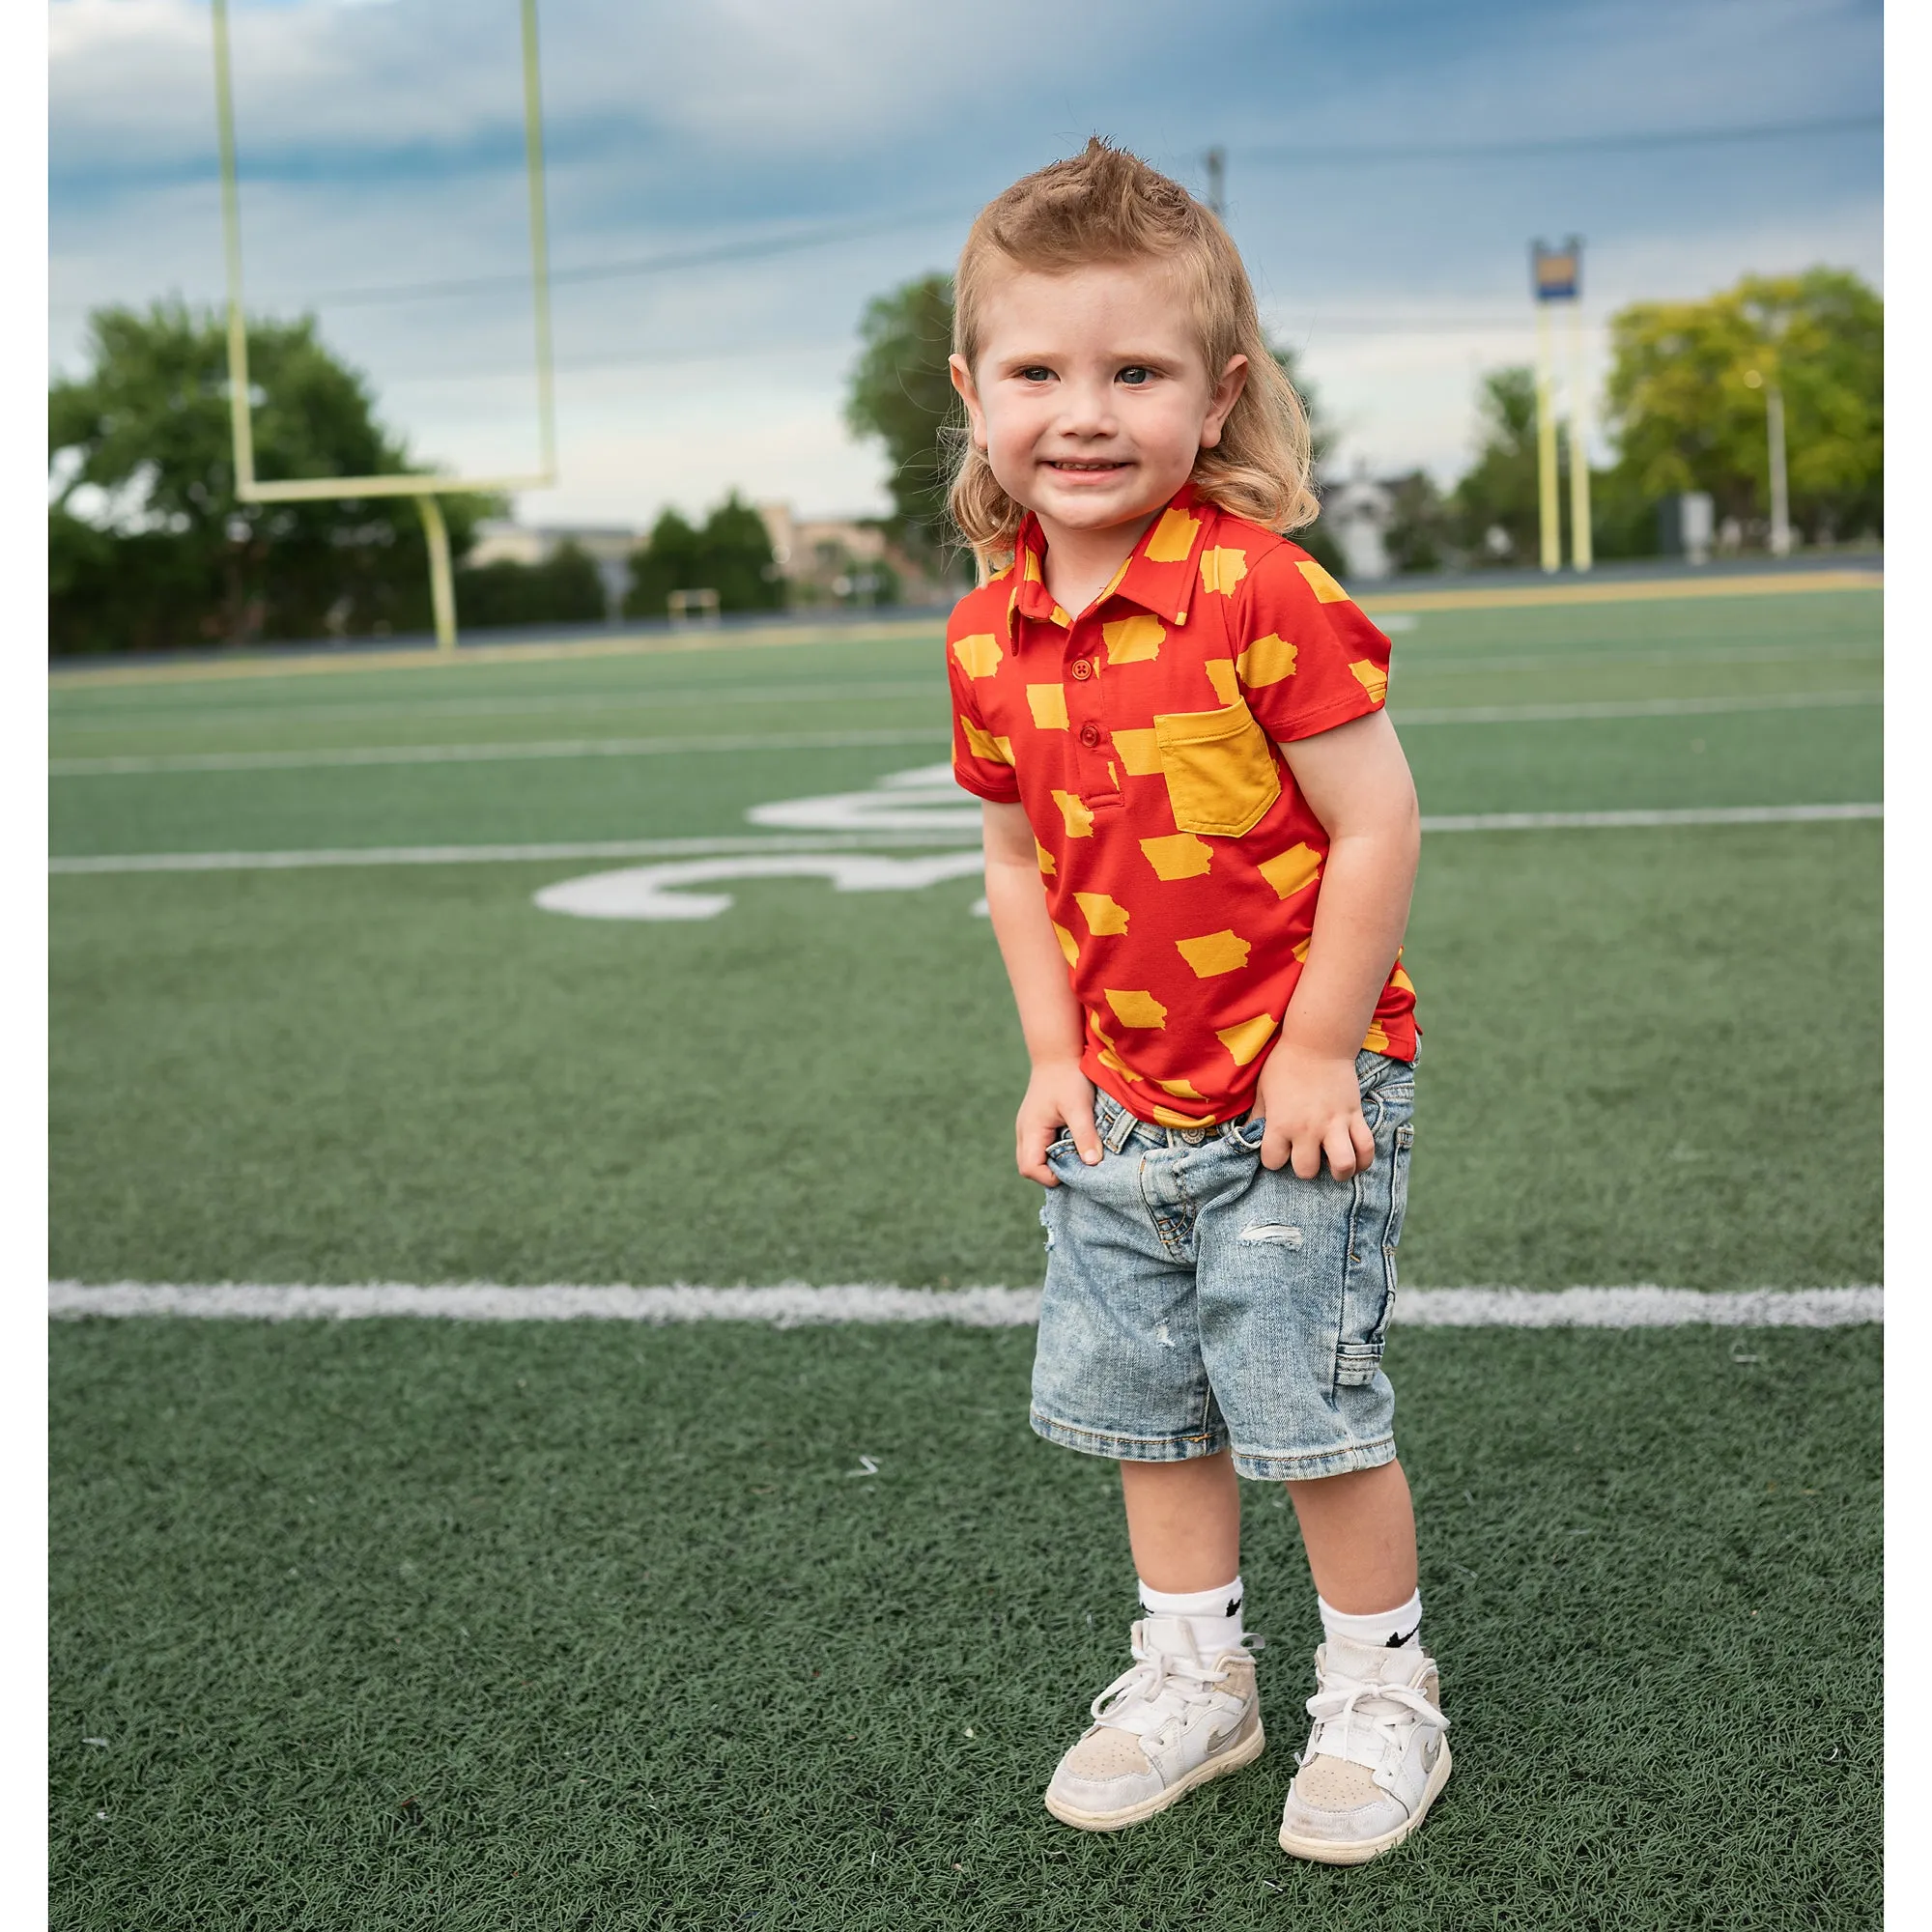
{"x": 1196, "y": 1302}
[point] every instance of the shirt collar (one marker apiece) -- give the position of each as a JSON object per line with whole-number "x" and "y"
{"x": 1160, "y": 576}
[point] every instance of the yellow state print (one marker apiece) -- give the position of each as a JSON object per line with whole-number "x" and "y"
{"x": 1045, "y": 858}
{"x": 1299, "y": 951}
{"x": 1181, "y": 1090}
{"x": 1214, "y": 952}
{"x": 1061, "y": 618}
{"x": 1113, "y": 582}
{"x": 1133, "y": 639}
{"x": 1104, "y": 915}
{"x": 984, "y": 745}
{"x": 1137, "y": 1009}
{"x": 1247, "y": 1038}
{"x": 1401, "y": 981}
{"x": 1222, "y": 569}
{"x": 1140, "y": 752}
{"x": 1109, "y": 1058}
{"x": 1032, "y": 568}
{"x": 1221, "y": 675}
{"x": 1079, "y": 820}
{"x": 1048, "y": 705}
{"x": 1068, "y": 945}
{"x": 1266, "y": 661}
{"x": 1372, "y": 679}
{"x": 1375, "y": 1040}
{"x": 1292, "y": 872}
{"x": 1173, "y": 537}
{"x": 1166, "y": 1117}
{"x": 979, "y": 656}
{"x": 1324, "y": 587}
{"x": 1178, "y": 855}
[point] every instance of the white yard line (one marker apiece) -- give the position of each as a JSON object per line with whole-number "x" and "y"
{"x": 337, "y": 757}
{"x": 1631, "y": 707}
{"x": 483, "y": 754}
{"x": 795, "y": 1303}
{"x": 699, "y": 848}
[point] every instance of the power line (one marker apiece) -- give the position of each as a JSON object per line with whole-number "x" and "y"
{"x": 1563, "y": 144}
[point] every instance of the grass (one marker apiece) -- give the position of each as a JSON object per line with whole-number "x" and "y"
{"x": 411, "y": 1625}
{"x": 399, "y": 1625}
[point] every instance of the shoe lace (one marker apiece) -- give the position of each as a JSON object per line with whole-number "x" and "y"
{"x": 1160, "y": 1684}
{"x": 1384, "y": 1709}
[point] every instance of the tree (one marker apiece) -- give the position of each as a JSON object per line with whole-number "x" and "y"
{"x": 564, "y": 588}
{"x": 730, "y": 554}
{"x": 900, "y": 391}
{"x": 149, "y": 546}
{"x": 1493, "y": 506}
{"x": 1688, "y": 388}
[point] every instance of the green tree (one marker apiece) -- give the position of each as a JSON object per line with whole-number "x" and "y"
{"x": 149, "y": 546}
{"x": 564, "y": 588}
{"x": 731, "y": 553}
{"x": 1688, "y": 388}
{"x": 1493, "y": 509}
{"x": 900, "y": 391}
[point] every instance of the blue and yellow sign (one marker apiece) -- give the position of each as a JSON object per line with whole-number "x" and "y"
{"x": 1557, "y": 275}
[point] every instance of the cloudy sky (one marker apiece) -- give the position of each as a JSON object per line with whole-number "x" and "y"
{"x": 730, "y": 180}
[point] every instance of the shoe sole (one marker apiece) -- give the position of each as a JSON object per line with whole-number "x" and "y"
{"x": 1327, "y": 1852}
{"x": 1203, "y": 1772}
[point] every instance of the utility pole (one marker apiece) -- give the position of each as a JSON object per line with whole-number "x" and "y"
{"x": 1218, "y": 183}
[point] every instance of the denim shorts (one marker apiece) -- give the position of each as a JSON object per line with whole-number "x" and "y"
{"x": 1195, "y": 1302}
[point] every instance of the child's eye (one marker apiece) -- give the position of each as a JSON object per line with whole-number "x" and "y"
{"x": 1036, "y": 372}
{"x": 1135, "y": 375}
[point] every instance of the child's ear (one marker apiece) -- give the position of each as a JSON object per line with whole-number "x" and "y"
{"x": 962, "y": 381}
{"x": 1226, "y": 393}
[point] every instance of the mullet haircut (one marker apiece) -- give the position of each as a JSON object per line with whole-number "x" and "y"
{"x": 1107, "y": 206}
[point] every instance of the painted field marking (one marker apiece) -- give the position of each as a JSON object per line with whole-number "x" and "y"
{"x": 653, "y": 849}
{"x": 489, "y": 753}
{"x": 512, "y": 752}
{"x": 795, "y": 1304}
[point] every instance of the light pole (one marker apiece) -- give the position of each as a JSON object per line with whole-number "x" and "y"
{"x": 1773, "y": 435}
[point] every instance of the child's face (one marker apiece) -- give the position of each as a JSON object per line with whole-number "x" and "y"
{"x": 1090, "y": 397}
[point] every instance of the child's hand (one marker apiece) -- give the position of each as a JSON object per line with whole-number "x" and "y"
{"x": 1057, "y": 1095}
{"x": 1313, "y": 1105}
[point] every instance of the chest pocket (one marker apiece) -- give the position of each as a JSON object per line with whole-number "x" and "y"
{"x": 1220, "y": 769}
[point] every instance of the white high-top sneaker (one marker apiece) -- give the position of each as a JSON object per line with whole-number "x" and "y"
{"x": 1173, "y": 1721}
{"x": 1376, "y": 1758}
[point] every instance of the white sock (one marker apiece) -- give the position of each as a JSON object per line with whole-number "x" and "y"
{"x": 1214, "y": 1617}
{"x": 1383, "y": 1629}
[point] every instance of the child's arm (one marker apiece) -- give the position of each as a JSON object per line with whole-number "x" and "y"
{"x": 1050, "y": 1016}
{"x": 1357, "y": 782}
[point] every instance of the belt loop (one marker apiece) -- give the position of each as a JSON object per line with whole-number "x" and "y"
{"x": 1119, "y": 1129}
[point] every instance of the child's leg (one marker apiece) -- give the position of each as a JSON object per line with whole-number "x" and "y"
{"x": 1360, "y": 1532}
{"x": 1184, "y": 1523}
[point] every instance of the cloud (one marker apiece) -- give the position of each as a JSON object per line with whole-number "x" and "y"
{"x": 383, "y": 144}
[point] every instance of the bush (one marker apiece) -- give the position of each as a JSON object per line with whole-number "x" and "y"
{"x": 731, "y": 553}
{"x": 563, "y": 589}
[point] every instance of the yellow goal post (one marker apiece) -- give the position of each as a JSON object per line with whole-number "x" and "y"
{"x": 425, "y": 489}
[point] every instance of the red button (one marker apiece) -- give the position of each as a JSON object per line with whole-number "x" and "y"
{"x": 1082, "y": 669}
{"x": 1090, "y": 735}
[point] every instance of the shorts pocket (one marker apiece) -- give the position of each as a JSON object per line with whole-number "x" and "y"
{"x": 1220, "y": 769}
{"x": 1357, "y": 1363}
{"x": 1404, "y": 1140}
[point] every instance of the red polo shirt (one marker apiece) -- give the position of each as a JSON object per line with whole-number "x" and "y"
{"x": 1181, "y": 865}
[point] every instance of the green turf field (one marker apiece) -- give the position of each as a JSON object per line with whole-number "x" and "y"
{"x": 403, "y": 1624}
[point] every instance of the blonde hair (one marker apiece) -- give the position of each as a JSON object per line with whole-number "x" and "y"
{"x": 1107, "y": 206}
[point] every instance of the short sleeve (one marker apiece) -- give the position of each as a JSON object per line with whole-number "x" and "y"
{"x": 1310, "y": 660}
{"x": 982, "y": 762}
